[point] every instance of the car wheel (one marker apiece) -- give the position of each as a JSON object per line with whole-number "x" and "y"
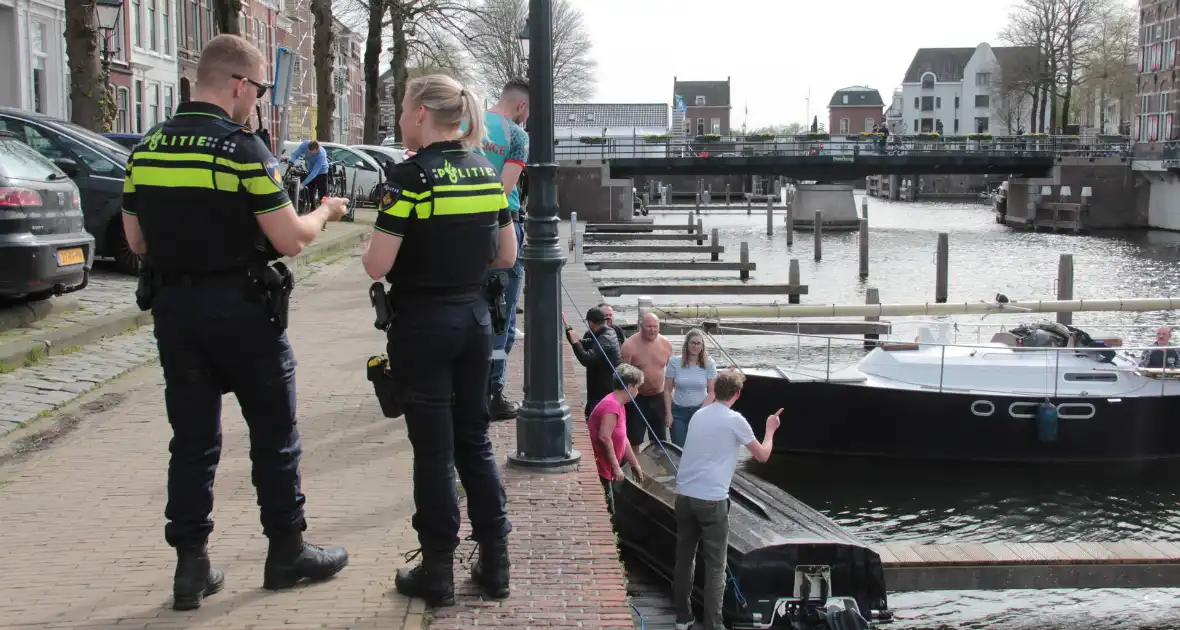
{"x": 126, "y": 261}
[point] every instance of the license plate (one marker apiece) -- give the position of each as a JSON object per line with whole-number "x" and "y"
{"x": 73, "y": 256}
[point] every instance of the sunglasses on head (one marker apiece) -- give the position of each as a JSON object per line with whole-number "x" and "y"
{"x": 261, "y": 87}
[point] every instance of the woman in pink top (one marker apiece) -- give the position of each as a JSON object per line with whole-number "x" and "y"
{"x": 608, "y": 432}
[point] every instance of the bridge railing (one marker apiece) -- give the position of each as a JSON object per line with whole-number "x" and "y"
{"x": 839, "y": 146}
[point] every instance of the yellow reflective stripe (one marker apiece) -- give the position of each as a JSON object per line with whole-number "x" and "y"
{"x": 424, "y": 209}
{"x": 467, "y": 187}
{"x": 183, "y": 178}
{"x": 472, "y": 204}
{"x": 260, "y": 185}
{"x": 199, "y": 157}
{"x": 401, "y": 209}
{"x": 416, "y": 196}
{"x": 128, "y": 185}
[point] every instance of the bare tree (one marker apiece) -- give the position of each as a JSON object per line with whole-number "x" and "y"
{"x": 1036, "y": 24}
{"x": 1015, "y": 84}
{"x": 88, "y": 94}
{"x": 1108, "y": 71}
{"x": 1082, "y": 18}
{"x": 372, "y": 70}
{"x": 322, "y": 57}
{"x": 493, "y": 41}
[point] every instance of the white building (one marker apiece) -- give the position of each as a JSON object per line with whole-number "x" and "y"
{"x": 955, "y": 91}
{"x": 154, "y": 69}
{"x": 34, "y": 75}
{"x": 589, "y": 131}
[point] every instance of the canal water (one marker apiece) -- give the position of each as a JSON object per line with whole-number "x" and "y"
{"x": 894, "y": 502}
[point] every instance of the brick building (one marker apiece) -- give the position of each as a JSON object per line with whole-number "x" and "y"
{"x": 706, "y": 107}
{"x": 854, "y": 109}
{"x": 1155, "y": 110}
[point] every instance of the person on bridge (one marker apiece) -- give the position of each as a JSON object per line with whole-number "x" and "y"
{"x": 507, "y": 148}
{"x": 207, "y": 218}
{"x": 707, "y": 465}
{"x": 444, "y": 220}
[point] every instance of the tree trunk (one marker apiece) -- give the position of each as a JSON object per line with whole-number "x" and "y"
{"x": 227, "y": 16}
{"x": 401, "y": 54}
{"x": 88, "y": 93}
{"x": 1032, "y": 120}
{"x": 1069, "y": 69}
{"x": 321, "y": 52}
{"x": 372, "y": 73}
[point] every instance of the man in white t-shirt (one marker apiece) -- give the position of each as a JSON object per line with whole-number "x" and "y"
{"x": 715, "y": 435}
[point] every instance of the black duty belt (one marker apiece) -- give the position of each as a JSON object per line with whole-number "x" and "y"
{"x": 226, "y": 278}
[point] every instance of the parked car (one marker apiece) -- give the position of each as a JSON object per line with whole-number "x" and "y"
{"x": 97, "y": 165}
{"x": 125, "y": 140}
{"x": 44, "y": 249}
{"x": 361, "y": 172}
{"x": 385, "y": 156}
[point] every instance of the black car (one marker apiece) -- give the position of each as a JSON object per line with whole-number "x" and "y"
{"x": 97, "y": 165}
{"x": 44, "y": 250}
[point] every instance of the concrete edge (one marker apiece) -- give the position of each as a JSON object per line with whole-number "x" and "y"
{"x": 21, "y": 315}
{"x": 63, "y": 340}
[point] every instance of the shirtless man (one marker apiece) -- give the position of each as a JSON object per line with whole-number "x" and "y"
{"x": 648, "y": 351}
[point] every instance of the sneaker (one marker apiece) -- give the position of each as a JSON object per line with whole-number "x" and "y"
{"x": 685, "y": 625}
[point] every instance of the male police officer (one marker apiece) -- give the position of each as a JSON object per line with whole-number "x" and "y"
{"x": 199, "y": 187}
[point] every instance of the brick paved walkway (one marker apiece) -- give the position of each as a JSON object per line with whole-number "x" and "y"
{"x": 83, "y": 518}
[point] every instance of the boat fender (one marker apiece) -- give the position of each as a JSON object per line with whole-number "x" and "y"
{"x": 1046, "y": 422}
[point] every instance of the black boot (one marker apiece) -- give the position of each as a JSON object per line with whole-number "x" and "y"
{"x": 501, "y": 408}
{"x": 490, "y": 570}
{"x": 195, "y": 579}
{"x": 290, "y": 559}
{"x": 432, "y": 580}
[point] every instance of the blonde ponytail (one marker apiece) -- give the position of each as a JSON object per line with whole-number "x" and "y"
{"x": 450, "y": 105}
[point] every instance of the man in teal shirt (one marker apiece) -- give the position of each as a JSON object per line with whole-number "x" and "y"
{"x": 507, "y": 147}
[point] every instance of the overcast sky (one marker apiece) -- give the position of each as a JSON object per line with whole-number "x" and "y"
{"x": 774, "y": 50}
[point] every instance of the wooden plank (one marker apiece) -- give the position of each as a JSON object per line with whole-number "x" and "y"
{"x": 639, "y": 227}
{"x": 615, "y": 290}
{"x": 798, "y": 327}
{"x": 653, "y": 249}
{"x": 670, "y": 265}
{"x": 638, "y": 236}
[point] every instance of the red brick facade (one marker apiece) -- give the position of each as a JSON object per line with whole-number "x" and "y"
{"x": 1155, "y": 111}
{"x": 859, "y": 119}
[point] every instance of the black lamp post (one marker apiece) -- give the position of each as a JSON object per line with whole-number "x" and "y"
{"x": 108, "y": 17}
{"x": 544, "y": 427}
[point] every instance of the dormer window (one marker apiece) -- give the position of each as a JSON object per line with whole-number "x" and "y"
{"x": 590, "y": 117}
{"x": 928, "y": 81}
{"x": 573, "y": 118}
{"x": 700, "y": 100}
{"x": 845, "y": 99}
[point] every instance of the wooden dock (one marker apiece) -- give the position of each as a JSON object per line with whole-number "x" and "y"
{"x": 615, "y": 290}
{"x": 1001, "y": 566}
{"x": 639, "y": 236}
{"x": 669, "y": 265}
{"x": 632, "y": 228}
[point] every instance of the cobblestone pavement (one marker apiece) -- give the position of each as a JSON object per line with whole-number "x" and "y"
{"x": 108, "y": 292}
{"x": 85, "y": 509}
{"x": 28, "y": 392}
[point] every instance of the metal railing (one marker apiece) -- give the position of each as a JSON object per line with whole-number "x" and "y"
{"x": 835, "y": 145}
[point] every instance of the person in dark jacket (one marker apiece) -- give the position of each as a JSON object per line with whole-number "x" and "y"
{"x": 599, "y": 352}
{"x": 610, "y": 322}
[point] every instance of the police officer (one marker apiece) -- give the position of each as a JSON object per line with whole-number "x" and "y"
{"x": 444, "y": 222}
{"x": 203, "y": 204}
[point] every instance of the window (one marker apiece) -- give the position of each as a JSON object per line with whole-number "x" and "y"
{"x": 181, "y": 24}
{"x": 118, "y": 46}
{"x": 938, "y": 102}
{"x": 243, "y": 26}
{"x": 1168, "y": 129}
{"x": 981, "y": 125}
{"x": 927, "y": 103}
{"x": 981, "y": 100}
{"x": 167, "y": 102}
{"x": 136, "y": 24}
{"x": 139, "y": 107}
{"x": 35, "y": 138}
{"x": 844, "y": 125}
{"x": 956, "y": 125}
{"x": 700, "y": 126}
{"x": 845, "y": 99}
{"x": 915, "y": 124}
{"x": 715, "y": 125}
{"x": 1153, "y": 128}
{"x": 153, "y": 99}
{"x": 210, "y": 25}
{"x": 700, "y": 100}
{"x": 97, "y": 163}
{"x": 195, "y": 26}
{"x": 167, "y": 27}
{"x": 917, "y": 102}
{"x": 869, "y": 122}
{"x": 983, "y": 79}
{"x": 151, "y": 20}
{"x": 40, "y": 76}
{"x": 956, "y": 102}
{"x": 928, "y": 81}
{"x": 121, "y": 106}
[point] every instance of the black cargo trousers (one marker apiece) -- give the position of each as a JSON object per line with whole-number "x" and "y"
{"x": 213, "y": 339}
{"x": 440, "y": 354}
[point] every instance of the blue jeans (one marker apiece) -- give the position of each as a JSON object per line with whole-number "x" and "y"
{"x": 680, "y": 418}
{"x": 511, "y": 294}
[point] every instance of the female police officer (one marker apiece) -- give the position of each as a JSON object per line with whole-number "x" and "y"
{"x": 444, "y": 222}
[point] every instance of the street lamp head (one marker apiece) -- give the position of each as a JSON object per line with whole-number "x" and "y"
{"x": 108, "y": 13}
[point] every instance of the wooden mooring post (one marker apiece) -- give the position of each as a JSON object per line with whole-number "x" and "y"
{"x": 1065, "y": 286}
{"x": 793, "y": 279}
{"x": 819, "y": 234}
{"x": 864, "y": 248}
{"x": 749, "y": 205}
{"x": 790, "y": 221}
{"x": 727, "y": 194}
{"x": 941, "y": 268}
{"x": 744, "y": 272}
{"x": 769, "y": 216}
{"x": 700, "y": 231}
{"x": 715, "y": 241}
{"x": 872, "y": 296}
{"x": 864, "y": 206}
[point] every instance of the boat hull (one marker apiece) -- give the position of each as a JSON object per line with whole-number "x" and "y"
{"x": 771, "y": 534}
{"x": 861, "y": 420}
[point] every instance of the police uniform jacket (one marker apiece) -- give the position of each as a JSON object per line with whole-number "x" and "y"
{"x": 448, "y": 204}
{"x": 197, "y": 183}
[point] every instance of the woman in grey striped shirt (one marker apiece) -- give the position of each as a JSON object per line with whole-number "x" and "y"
{"x": 688, "y": 384}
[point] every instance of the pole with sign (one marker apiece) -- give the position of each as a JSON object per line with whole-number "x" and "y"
{"x": 280, "y": 95}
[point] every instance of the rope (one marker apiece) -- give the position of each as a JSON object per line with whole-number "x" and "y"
{"x": 732, "y": 580}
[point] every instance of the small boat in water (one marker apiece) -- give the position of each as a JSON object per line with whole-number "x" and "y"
{"x": 1043, "y": 393}
{"x": 793, "y": 567}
